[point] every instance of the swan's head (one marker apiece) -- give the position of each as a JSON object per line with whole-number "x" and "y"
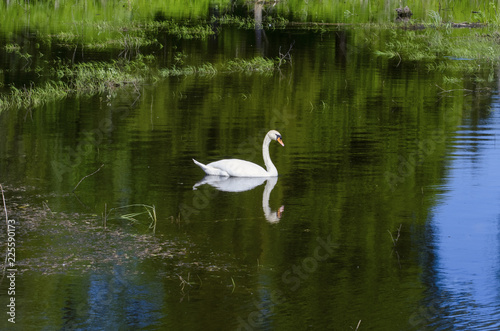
{"x": 275, "y": 135}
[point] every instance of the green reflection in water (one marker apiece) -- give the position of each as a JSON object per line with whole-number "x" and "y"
{"x": 367, "y": 141}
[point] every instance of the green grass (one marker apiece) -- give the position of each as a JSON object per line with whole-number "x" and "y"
{"x": 249, "y": 22}
{"x": 12, "y": 48}
{"x": 435, "y": 45}
{"x": 133, "y": 217}
{"x": 86, "y": 79}
{"x": 257, "y": 64}
{"x": 442, "y": 48}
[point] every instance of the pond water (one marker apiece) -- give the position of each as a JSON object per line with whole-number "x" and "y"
{"x": 384, "y": 215}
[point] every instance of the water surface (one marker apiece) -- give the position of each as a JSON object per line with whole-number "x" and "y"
{"x": 384, "y": 213}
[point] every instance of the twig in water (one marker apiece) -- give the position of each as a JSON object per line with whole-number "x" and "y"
{"x": 234, "y": 285}
{"x": 46, "y": 206}
{"x": 184, "y": 282}
{"x": 105, "y": 216}
{"x": 282, "y": 58}
{"x": 452, "y": 90}
{"x": 395, "y": 241}
{"x": 4, "y": 206}
{"x": 7, "y": 229}
{"x": 81, "y": 180}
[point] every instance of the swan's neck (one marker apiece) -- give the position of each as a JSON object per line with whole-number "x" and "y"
{"x": 272, "y": 217}
{"x": 271, "y": 169}
{"x": 270, "y": 183}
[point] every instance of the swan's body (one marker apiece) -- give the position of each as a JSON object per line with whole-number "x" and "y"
{"x": 242, "y": 168}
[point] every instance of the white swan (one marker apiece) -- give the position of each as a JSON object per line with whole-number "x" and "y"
{"x": 241, "y": 168}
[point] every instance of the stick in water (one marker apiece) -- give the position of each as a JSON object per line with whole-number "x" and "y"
{"x": 4, "y": 206}
{"x": 81, "y": 180}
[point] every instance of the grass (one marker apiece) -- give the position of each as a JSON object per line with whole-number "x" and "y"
{"x": 130, "y": 37}
{"x": 33, "y": 96}
{"x": 249, "y": 22}
{"x": 442, "y": 49}
{"x": 434, "y": 45}
{"x": 85, "y": 79}
{"x": 11, "y": 48}
{"x": 257, "y": 64}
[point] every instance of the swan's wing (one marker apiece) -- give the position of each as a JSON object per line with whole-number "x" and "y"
{"x": 239, "y": 168}
{"x": 210, "y": 170}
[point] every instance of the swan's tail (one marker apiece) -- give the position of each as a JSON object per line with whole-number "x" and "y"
{"x": 211, "y": 171}
{"x": 201, "y": 165}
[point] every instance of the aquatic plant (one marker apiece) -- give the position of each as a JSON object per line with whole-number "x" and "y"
{"x": 442, "y": 45}
{"x": 250, "y": 22}
{"x": 89, "y": 78}
{"x": 83, "y": 78}
{"x": 489, "y": 15}
{"x": 32, "y": 96}
{"x": 150, "y": 211}
{"x": 435, "y": 17}
{"x": 11, "y": 48}
{"x": 257, "y": 64}
{"x": 206, "y": 69}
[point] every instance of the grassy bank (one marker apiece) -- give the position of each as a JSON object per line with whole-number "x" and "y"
{"x": 49, "y": 60}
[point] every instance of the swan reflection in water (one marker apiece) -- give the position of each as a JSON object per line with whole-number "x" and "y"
{"x": 242, "y": 184}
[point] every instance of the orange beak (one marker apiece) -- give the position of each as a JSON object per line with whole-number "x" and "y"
{"x": 280, "y": 141}
{"x": 280, "y": 211}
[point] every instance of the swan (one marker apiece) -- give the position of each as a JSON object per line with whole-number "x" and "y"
{"x": 242, "y": 168}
